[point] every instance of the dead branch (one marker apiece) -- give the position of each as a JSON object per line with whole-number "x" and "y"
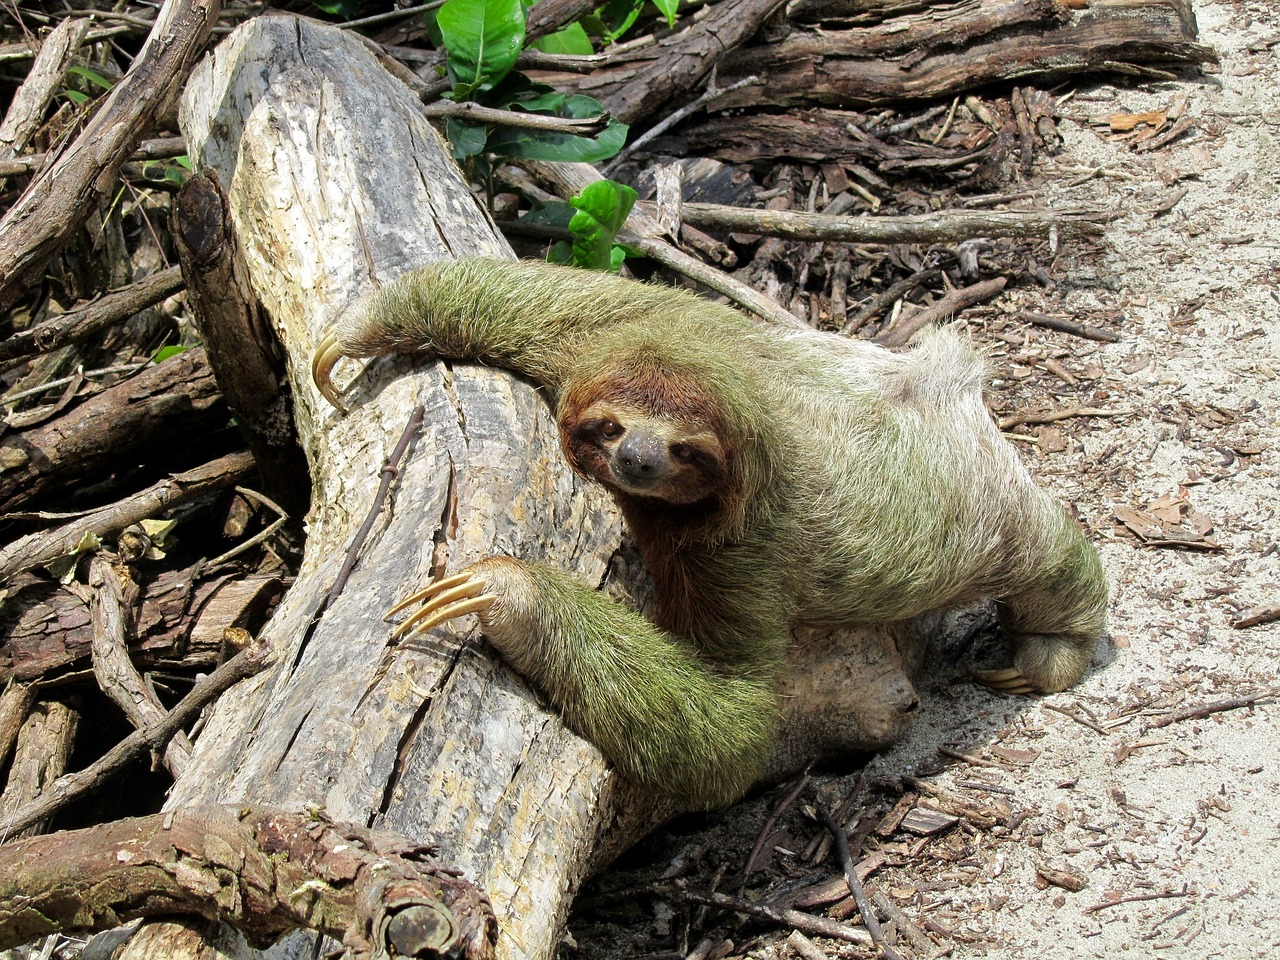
{"x": 851, "y": 878}
{"x": 63, "y": 194}
{"x": 40, "y": 756}
{"x": 161, "y": 148}
{"x": 15, "y": 702}
{"x": 115, "y": 672}
{"x": 68, "y": 787}
{"x": 242, "y": 349}
{"x": 900, "y": 333}
{"x": 944, "y": 226}
{"x": 39, "y": 548}
{"x": 177, "y": 620}
{"x": 90, "y": 319}
{"x": 644, "y": 233}
{"x": 939, "y": 51}
{"x": 1208, "y": 709}
{"x": 1068, "y": 326}
{"x": 27, "y": 109}
{"x": 264, "y": 871}
{"x": 168, "y": 405}
{"x": 1053, "y": 416}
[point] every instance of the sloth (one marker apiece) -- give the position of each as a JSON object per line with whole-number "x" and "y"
{"x": 770, "y": 478}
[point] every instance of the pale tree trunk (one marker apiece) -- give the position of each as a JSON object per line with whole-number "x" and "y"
{"x": 324, "y": 155}
{"x": 329, "y": 167}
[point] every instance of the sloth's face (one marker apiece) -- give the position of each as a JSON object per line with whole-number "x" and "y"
{"x": 640, "y": 453}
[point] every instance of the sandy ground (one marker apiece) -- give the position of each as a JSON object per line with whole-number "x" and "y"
{"x": 1189, "y": 811}
{"x": 1171, "y": 830}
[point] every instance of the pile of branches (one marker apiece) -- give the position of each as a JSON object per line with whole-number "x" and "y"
{"x": 844, "y": 158}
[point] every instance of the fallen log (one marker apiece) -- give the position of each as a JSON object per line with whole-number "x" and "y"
{"x": 334, "y": 178}
{"x": 857, "y": 53}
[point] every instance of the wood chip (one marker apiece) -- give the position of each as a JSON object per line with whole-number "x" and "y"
{"x": 926, "y": 822}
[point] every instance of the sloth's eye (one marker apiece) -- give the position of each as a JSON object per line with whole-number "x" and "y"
{"x": 682, "y": 452}
{"x": 610, "y": 430}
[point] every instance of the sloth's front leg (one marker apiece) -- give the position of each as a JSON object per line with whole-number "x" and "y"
{"x": 656, "y": 709}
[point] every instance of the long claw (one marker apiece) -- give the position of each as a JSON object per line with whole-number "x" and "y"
{"x": 327, "y": 355}
{"x": 446, "y": 599}
{"x": 1009, "y": 680}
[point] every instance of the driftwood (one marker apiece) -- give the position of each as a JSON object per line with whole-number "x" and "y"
{"x": 178, "y": 619}
{"x": 306, "y": 131}
{"x": 240, "y": 344}
{"x": 66, "y": 191}
{"x": 264, "y": 871}
{"x": 167, "y": 406}
{"x": 856, "y": 53}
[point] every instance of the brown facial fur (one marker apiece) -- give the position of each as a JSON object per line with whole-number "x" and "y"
{"x": 668, "y": 415}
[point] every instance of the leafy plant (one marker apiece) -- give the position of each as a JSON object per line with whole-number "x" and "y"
{"x": 601, "y": 209}
{"x": 482, "y": 40}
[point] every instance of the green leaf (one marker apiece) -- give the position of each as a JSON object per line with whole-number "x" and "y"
{"x": 602, "y": 208}
{"x": 94, "y": 78}
{"x": 542, "y": 145}
{"x": 483, "y": 39}
{"x": 553, "y": 213}
{"x": 571, "y": 41}
{"x": 76, "y": 97}
{"x": 465, "y": 139}
{"x": 668, "y": 9}
{"x": 164, "y": 353}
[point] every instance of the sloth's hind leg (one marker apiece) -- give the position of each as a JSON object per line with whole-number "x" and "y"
{"x": 1055, "y": 614}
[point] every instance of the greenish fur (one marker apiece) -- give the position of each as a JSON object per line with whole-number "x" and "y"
{"x": 872, "y": 487}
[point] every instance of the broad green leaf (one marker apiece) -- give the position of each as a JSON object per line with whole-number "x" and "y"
{"x": 164, "y": 353}
{"x": 76, "y": 97}
{"x": 483, "y": 39}
{"x": 541, "y": 145}
{"x": 602, "y": 208}
{"x": 616, "y": 17}
{"x": 668, "y": 9}
{"x": 571, "y": 41}
{"x": 465, "y": 139}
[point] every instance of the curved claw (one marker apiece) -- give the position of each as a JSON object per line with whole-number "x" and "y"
{"x": 1009, "y": 680}
{"x": 327, "y": 355}
{"x": 447, "y": 599}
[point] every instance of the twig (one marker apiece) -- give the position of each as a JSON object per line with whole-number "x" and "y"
{"x": 900, "y": 334}
{"x": 266, "y": 533}
{"x": 855, "y": 887}
{"x": 1257, "y": 616}
{"x": 1137, "y": 898}
{"x": 161, "y": 148}
{"x": 662, "y": 126}
{"x": 943, "y": 226}
{"x": 772, "y": 821}
{"x": 1068, "y": 326}
{"x": 390, "y": 470}
{"x": 890, "y": 295}
{"x": 1053, "y": 416}
{"x": 584, "y": 127}
{"x": 73, "y": 785}
{"x": 1083, "y": 721}
{"x": 1218, "y": 706}
{"x": 804, "y": 922}
{"x": 39, "y": 548}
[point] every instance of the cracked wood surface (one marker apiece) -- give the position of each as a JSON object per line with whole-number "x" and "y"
{"x": 329, "y": 168}
{"x": 332, "y": 173}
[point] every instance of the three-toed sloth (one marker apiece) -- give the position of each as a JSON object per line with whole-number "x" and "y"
{"x": 771, "y": 477}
